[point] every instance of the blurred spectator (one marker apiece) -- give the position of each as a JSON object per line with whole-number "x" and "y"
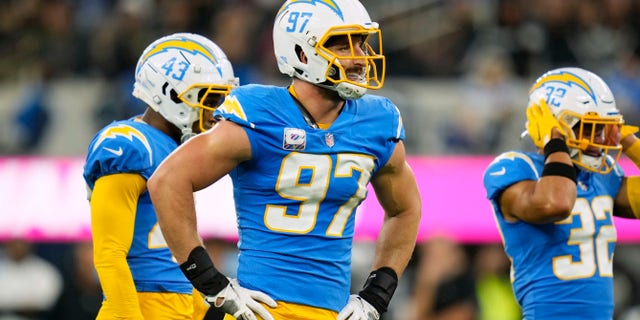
{"x": 115, "y": 49}
{"x": 624, "y": 80}
{"x": 422, "y": 38}
{"x": 81, "y": 296}
{"x": 32, "y": 117}
{"x": 511, "y": 28}
{"x": 444, "y": 286}
{"x": 30, "y": 284}
{"x": 603, "y": 22}
{"x": 439, "y": 51}
{"x": 493, "y": 285}
{"x": 61, "y": 47}
{"x": 558, "y": 20}
{"x": 488, "y": 101}
{"x": 243, "y": 24}
{"x": 19, "y": 37}
{"x": 175, "y": 16}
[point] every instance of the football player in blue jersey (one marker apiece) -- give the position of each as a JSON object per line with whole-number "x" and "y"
{"x": 554, "y": 207}
{"x": 182, "y": 78}
{"x": 300, "y": 158}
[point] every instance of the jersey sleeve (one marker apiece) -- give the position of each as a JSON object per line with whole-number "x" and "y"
{"x": 117, "y": 149}
{"x": 507, "y": 169}
{"x": 232, "y": 109}
{"x": 397, "y": 132}
{"x": 382, "y": 117}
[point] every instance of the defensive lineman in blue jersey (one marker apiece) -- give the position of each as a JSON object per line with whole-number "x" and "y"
{"x": 179, "y": 76}
{"x": 321, "y": 175}
{"x": 300, "y": 158}
{"x": 554, "y": 208}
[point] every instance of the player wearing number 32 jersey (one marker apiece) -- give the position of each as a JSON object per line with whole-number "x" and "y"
{"x": 554, "y": 208}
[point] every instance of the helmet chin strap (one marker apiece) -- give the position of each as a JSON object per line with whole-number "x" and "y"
{"x": 346, "y": 91}
{"x": 187, "y": 134}
{"x": 350, "y": 91}
{"x": 591, "y": 161}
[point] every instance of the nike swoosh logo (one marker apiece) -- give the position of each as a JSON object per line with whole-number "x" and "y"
{"x": 116, "y": 152}
{"x": 498, "y": 173}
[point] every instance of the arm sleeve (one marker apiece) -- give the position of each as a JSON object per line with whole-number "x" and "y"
{"x": 113, "y": 211}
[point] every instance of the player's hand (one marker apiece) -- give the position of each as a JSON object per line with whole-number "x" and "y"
{"x": 627, "y": 130}
{"x": 242, "y": 303}
{"x": 358, "y": 309}
{"x": 540, "y": 123}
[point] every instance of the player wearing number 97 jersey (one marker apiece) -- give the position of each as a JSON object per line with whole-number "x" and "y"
{"x": 301, "y": 158}
{"x": 300, "y": 236}
{"x": 554, "y": 208}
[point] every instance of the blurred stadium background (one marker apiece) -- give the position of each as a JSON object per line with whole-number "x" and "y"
{"x": 458, "y": 70}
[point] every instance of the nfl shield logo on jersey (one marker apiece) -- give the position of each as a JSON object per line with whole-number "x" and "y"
{"x": 294, "y": 139}
{"x": 329, "y": 140}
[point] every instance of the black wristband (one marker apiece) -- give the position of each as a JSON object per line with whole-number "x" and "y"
{"x": 555, "y": 145}
{"x": 203, "y": 275}
{"x": 560, "y": 169}
{"x": 379, "y": 288}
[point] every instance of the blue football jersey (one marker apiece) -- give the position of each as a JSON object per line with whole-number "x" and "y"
{"x": 561, "y": 270}
{"x": 132, "y": 146}
{"x": 296, "y": 198}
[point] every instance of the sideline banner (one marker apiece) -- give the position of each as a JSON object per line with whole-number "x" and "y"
{"x": 44, "y": 199}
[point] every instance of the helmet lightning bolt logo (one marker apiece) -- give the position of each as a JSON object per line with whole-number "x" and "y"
{"x": 184, "y": 44}
{"x": 329, "y": 3}
{"x": 126, "y": 132}
{"x": 567, "y": 78}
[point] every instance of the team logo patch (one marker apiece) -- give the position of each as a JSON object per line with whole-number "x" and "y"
{"x": 329, "y": 139}
{"x": 294, "y": 139}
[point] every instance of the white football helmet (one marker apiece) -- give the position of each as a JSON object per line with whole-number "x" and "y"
{"x": 586, "y": 109}
{"x": 176, "y": 74}
{"x": 306, "y": 25}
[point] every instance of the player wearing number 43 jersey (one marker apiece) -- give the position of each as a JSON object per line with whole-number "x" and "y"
{"x": 182, "y": 78}
{"x": 555, "y": 207}
{"x": 301, "y": 159}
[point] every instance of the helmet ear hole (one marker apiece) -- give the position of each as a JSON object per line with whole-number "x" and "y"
{"x": 298, "y": 50}
{"x": 301, "y": 58}
{"x": 174, "y": 96}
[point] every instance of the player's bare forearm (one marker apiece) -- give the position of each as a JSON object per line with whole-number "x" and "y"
{"x": 548, "y": 199}
{"x": 403, "y": 210}
{"x": 171, "y": 188}
{"x": 172, "y": 197}
{"x": 397, "y": 240}
{"x": 196, "y": 164}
